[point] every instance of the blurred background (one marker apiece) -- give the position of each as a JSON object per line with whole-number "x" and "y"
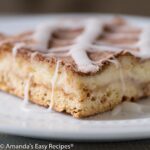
{"x": 134, "y": 7}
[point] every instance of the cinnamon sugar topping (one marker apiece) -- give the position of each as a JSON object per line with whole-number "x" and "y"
{"x": 101, "y": 38}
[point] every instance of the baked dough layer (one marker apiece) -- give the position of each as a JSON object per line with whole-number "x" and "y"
{"x": 77, "y": 94}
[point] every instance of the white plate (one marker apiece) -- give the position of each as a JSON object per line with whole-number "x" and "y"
{"x": 35, "y": 121}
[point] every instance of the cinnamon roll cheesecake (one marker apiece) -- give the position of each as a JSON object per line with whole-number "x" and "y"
{"x": 82, "y": 67}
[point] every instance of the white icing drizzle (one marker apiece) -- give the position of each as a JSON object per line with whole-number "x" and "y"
{"x": 78, "y": 52}
{"x": 26, "y": 90}
{"x": 43, "y": 34}
{"x": 53, "y": 82}
{"x": 60, "y": 49}
{"x": 16, "y": 47}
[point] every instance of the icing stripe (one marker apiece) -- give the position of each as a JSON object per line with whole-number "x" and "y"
{"x": 43, "y": 34}
{"x": 26, "y": 90}
{"x": 53, "y": 82}
{"x": 16, "y": 47}
{"x": 78, "y": 52}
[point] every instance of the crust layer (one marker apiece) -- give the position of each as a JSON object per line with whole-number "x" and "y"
{"x": 74, "y": 93}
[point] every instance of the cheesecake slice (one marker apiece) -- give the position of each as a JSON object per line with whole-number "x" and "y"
{"x": 82, "y": 67}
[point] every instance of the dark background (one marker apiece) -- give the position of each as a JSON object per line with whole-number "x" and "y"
{"x": 134, "y": 7}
